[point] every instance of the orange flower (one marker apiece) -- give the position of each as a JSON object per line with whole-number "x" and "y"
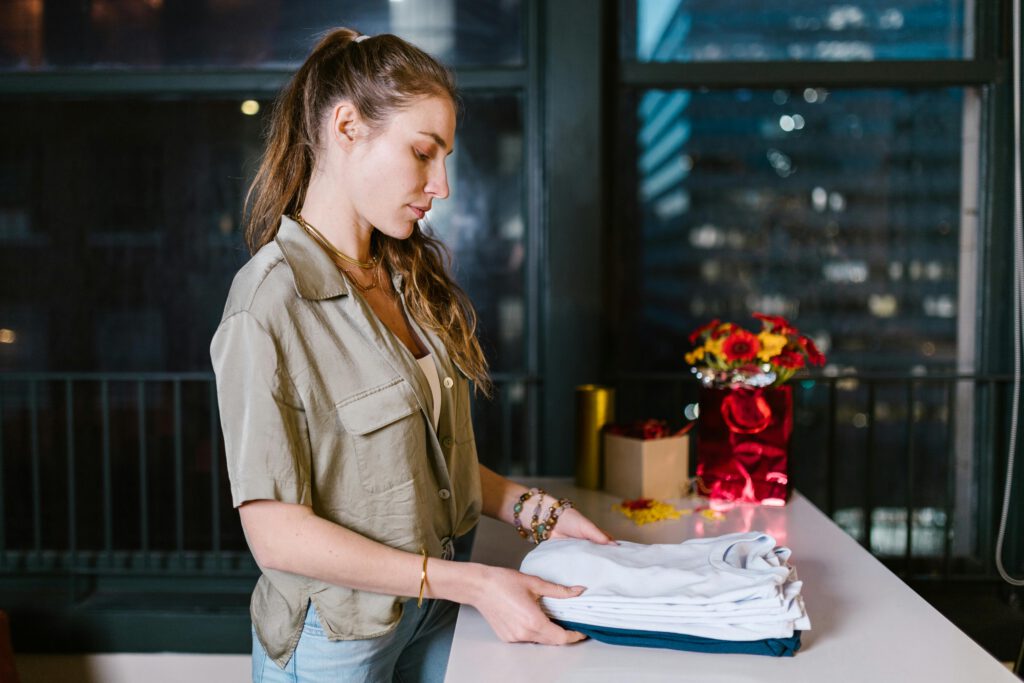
{"x": 740, "y": 345}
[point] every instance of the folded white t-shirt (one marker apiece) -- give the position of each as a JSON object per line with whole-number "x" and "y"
{"x": 732, "y": 587}
{"x": 722, "y": 569}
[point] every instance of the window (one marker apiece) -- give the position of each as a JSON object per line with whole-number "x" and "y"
{"x": 169, "y": 102}
{"x": 820, "y": 162}
{"x": 838, "y": 209}
{"x": 128, "y": 137}
{"x": 41, "y": 34}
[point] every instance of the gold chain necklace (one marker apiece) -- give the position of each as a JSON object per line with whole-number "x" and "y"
{"x": 361, "y": 287}
{"x": 331, "y": 249}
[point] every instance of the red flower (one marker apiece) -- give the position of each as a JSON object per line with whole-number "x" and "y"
{"x": 789, "y": 359}
{"x": 740, "y": 345}
{"x": 775, "y": 322}
{"x": 702, "y": 329}
{"x": 815, "y": 356}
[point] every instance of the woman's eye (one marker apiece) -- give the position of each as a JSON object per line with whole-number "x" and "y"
{"x": 420, "y": 155}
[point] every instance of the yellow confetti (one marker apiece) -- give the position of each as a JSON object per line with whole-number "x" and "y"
{"x": 713, "y": 515}
{"x": 653, "y": 511}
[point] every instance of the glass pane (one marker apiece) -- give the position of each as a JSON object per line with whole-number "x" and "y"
{"x": 121, "y": 234}
{"x": 39, "y": 34}
{"x": 484, "y": 222}
{"x": 838, "y": 210}
{"x": 753, "y": 30}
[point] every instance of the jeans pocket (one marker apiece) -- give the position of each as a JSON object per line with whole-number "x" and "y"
{"x": 259, "y": 659}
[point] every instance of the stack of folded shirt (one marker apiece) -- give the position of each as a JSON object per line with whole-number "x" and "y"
{"x": 734, "y": 593}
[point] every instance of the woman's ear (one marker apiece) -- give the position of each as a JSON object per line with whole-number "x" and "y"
{"x": 346, "y": 124}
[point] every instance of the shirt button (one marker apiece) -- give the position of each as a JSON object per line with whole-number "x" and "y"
{"x": 447, "y": 442}
{"x": 448, "y": 382}
{"x": 445, "y": 494}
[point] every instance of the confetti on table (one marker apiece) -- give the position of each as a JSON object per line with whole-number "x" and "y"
{"x": 709, "y": 513}
{"x": 647, "y": 510}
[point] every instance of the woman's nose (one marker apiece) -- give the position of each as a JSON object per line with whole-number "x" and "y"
{"x": 437, "y": 183}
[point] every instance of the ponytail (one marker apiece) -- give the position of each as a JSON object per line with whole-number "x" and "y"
{"x": 379, "y": 75}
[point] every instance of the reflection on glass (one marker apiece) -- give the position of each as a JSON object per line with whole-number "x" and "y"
{"x": 39, "y": 34}
{"x": 837, "y": 209}
{"x": 121, "y": 233}
{"x": 704, "y": 31}
{"x": 483, "y": 222}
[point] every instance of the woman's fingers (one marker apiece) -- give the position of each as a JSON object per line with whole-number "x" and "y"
{"x": 572, "y": 637}
{"x": 554, "y": 634}
{"x": 555, "y": 590}
{"x": 596, "y": 534}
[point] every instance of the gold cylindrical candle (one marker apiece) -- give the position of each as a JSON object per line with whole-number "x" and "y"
{"x": 595, "y": 407}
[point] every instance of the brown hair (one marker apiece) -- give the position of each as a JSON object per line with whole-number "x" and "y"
{"x": 379, "y": 75}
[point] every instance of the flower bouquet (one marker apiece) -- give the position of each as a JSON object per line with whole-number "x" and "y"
{"x": 746, "y": 408}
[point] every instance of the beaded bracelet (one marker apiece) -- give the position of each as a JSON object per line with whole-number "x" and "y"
{"x": 535, "y": 520}
{"x": 518, "y": 507}
{"x": 540, "y": 529}
{"x": 543, "y": 531}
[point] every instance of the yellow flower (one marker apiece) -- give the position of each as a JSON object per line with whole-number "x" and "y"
{"x": 714, "y": 346}
{"x": 771, "y": 345}
{"x": 695, "y": 355}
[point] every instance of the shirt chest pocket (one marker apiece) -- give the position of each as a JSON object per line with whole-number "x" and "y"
{"x": 387, "y": 433}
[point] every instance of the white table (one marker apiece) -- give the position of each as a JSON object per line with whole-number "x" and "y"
{"x": 867, "y": 625}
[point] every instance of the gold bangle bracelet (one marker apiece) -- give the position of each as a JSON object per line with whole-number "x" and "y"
{"x": 423, "y": 577}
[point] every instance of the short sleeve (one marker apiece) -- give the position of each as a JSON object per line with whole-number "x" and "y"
{"x": 266, "y": 439}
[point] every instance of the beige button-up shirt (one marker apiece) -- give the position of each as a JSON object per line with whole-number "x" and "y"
{"x": 322, "y": 405}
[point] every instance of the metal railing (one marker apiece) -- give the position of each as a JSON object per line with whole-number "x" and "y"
{"x": 114, "y": 474}
{"x": 906, "y": 463}
{"x": 123, "y": 474}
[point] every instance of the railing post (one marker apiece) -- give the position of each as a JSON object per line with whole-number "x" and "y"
{"x": 140, "y": 396}
{"x": 179, "y": 495}
{"x": 108, "y": 488}
{"x": 37, "y": 520}
{"x": 214, "y": 474}
{"x": 3, "y": 502}
{"x": 911, "y": 424}
{"x": 950, "y": 492}
{"x": 830, "y": 460}
{"x": 869, "y": 466}
{"x": 69, "y": 425}
{"x": 505, "y": 405}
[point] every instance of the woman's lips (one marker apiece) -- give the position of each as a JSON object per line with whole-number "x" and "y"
{"x": 420, "y": 213}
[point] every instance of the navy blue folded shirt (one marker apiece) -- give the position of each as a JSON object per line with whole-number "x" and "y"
{"x": 773, "y": 647}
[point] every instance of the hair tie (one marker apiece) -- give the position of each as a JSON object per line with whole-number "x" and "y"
{"x": 361, "y": 38}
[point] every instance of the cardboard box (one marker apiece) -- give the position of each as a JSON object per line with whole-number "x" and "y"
{"x": 651, "y": 468}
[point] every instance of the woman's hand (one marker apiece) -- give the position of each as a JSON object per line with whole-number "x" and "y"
{"x": 573, "y": 524}
{"x": 509, "y": 604}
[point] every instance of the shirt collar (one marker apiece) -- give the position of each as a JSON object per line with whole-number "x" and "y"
{"x": 316, "y": 276}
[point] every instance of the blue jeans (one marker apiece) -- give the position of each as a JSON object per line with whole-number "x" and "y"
{"x": 415, "y": 651}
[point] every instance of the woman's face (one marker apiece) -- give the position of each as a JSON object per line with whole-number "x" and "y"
{"x": 394, "y": 175}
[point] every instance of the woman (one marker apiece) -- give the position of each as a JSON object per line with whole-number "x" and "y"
{"x": 342, "y": 365}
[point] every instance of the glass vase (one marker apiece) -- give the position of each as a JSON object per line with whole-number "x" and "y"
{"x": 743, "y": 444}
